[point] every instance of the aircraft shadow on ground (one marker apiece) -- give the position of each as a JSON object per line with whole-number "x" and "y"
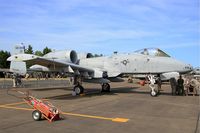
{"x": 136, "y": 91}
{"x": 91, "y": 92}
{"x": 97, "y": 92}
{"x": 53, "y": 88}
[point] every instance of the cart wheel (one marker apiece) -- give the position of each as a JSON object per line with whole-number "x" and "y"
{"x": 36, "y": 115}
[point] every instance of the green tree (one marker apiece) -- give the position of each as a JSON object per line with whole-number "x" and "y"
{"x": 46, "y": 50}
{"x": 38, "y": 53}
{"x": 29, "y": 50}
{"x": 3, "y": 59}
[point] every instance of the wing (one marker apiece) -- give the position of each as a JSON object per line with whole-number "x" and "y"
{"x": 55, "y": 64}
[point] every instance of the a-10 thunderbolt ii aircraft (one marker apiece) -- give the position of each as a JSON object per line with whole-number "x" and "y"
{"x": 105, "y": 69}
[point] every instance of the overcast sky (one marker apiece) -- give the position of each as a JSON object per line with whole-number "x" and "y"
{"x": 103, "y": 26}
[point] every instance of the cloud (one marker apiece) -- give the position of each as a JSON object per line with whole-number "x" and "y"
{"x": 100, "y": 25}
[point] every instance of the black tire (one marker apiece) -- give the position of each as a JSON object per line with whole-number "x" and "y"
{"x": 37, "y": 115}
{"x": 153, "y": 94}
{"x": 78, "y": 89}
{"x": 105, "y": 87}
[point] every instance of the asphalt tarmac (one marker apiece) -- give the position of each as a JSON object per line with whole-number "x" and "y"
{"x": 129, "y": 108}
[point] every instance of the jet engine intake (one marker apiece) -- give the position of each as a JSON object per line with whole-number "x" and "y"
{"x": 89, "y": 55}
{"x": 73, "y": 56}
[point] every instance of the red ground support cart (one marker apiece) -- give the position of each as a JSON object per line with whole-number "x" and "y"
{"x": 42, "y": 109}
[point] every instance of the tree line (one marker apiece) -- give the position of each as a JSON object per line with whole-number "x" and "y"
{"x": 29, "y": 50}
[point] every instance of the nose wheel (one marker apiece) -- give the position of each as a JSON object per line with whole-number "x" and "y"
{"x": 153, "y": 93}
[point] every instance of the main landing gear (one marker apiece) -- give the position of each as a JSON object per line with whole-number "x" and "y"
{"x": 79, "y": 89}
{"x": 105, "y": 87}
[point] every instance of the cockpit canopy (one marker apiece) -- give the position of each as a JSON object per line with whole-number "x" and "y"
{"x": 152, "y": 52}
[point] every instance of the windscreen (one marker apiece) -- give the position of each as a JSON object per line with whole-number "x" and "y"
{"x": 152, "y": 52}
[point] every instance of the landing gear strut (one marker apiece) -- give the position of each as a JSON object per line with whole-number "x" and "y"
{"x": 105, "y": 87}
{"x": 153, "y": 91}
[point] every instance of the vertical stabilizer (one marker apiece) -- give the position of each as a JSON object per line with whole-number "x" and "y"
{"x": 18, "y": 67}
{"x": 18, "y": 49}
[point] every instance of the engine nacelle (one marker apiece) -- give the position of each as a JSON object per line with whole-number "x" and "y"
{"x": 84, "y": 55}
{"x": 66, "y": 55}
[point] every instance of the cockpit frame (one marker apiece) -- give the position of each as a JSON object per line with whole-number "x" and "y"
{"x": 152, "y": 52}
